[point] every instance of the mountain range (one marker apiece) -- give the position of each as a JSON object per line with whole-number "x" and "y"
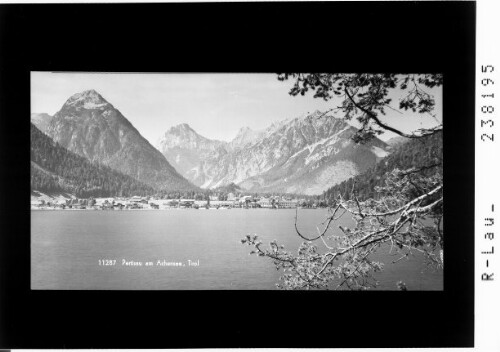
{"x": 91, "y": 127}
{"x": 306, "y": 155}
{"x": 303, "y": 155}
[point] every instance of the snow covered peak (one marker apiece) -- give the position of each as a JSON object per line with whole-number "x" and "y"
{"x": 88, "y": 99}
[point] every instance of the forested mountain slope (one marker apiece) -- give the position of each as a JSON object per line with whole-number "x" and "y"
{"x": 304, "y": 155}
{"x": 423, "y": 153}
{"x": 56, "y": 169}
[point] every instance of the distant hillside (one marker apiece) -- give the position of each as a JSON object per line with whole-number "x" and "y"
{"x": 414, "y": 153}
{"x": 395, "y": 142}
{"x": 41, "y": 120}
{"x": 230, "y": 188}
{"x": 56, "y": 169}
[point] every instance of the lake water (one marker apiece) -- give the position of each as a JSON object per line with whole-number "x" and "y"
{"x": 66, "y": 247}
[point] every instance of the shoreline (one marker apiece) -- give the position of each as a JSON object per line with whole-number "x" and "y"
{"x": 164, "y": 209}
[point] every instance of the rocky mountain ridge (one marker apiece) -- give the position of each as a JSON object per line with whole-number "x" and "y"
{"x": 90, "y": 126}
{"x": 244, "y": 137}
{"x": 307, "y": 155}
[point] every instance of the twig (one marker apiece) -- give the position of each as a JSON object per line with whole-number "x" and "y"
{"x": 330, "y": 219}
{"x": 355, "y": 270}
{"x": 374, "y": 117}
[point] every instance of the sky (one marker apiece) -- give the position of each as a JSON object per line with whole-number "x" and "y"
{"x": 216, "y": 105}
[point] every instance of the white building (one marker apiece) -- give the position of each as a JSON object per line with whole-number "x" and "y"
{"x": 287, "y": 204}
{"x": 244, "y": 199}
{"x": 265, "y": 202}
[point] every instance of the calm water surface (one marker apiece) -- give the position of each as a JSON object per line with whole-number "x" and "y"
{"x": 66, "y": 247}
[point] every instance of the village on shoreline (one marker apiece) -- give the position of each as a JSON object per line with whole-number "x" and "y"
{"x": 70, "y": 202}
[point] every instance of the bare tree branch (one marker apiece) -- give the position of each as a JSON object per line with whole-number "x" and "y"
{"x": 374, "y": 117}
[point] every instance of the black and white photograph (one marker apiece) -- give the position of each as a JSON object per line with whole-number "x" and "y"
{"x": 234, "y": 181}
{"x": 255, "y": 174}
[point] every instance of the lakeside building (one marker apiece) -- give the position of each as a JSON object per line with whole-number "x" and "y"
{"x": 186, "y": 203}
{"x": 137, "y": 199}
{"x": 266, "y": 202}
{"x": 136, "y": 202}
{"x": 246, "y": 200}
{"x": 171, "y": 203}
{"x": 287, "y": 204}
{"x": 37, "y": 203}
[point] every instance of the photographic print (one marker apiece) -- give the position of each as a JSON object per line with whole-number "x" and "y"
{"x": 241, "y": 181}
